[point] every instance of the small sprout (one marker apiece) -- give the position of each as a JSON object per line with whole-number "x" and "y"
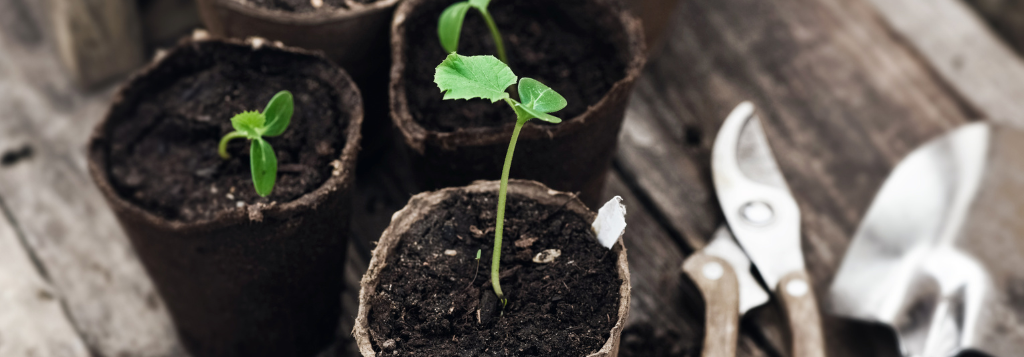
{"x": 255, "y": 126}
{"x": 449, "y": 26}
{"x": 477, "y": 267}
{"x": 485, "y": 77}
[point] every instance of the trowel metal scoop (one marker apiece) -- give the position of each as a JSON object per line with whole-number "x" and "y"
{"x": 939, "y": 256}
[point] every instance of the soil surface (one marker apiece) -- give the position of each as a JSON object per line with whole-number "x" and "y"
{"x": 553, "y": 42}
{"x": 432, "y": 303}
{"x": 303, "y": 5}
{"x": 164, "y": 156}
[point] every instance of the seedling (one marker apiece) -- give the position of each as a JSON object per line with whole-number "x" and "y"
{"x": 255, "y": 126}
{"x": 449, "y": 26}
{"x": 485, "y": 77}
{"x": 477, "y": 270}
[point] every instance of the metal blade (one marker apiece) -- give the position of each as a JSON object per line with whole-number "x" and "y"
{"x": 724, "y": 246}
{"x": 754, "y": 197}
{"x": 937, "y": 253}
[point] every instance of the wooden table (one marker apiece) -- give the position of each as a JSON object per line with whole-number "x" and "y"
{"x": 846, "y": 88}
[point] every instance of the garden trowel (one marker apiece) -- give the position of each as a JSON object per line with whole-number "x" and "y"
{"x": 939, "y": 256}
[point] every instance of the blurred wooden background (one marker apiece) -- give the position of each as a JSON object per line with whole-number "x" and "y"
{"x": 846, "y": 88}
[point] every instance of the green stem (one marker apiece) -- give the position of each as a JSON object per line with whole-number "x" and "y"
{"x": 222, "y": 149}
{"x": 499, "y": 225}
{"x": 498, "y": 42}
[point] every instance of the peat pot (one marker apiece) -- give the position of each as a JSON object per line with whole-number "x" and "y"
{"x": 241, "y": 275}
{"x": 425, "y": 294}
{"x": 590, "y": 51}
{"x": 354, "y": 33}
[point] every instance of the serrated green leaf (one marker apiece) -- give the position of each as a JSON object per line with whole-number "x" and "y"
{"x": 468, "y": 77}
{"x": 449, "y": 26}
{"x": 480, "y": 4}
{"x": 539, "y": 97}
{"x": 278, "y": 113}
{"x": 263, "y": 162}
{"x": 249, "y": 123}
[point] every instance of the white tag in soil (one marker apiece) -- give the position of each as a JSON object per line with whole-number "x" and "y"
{"x": 610, "y": 222}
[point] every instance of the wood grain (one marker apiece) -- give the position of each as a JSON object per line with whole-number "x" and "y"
{"x": 842, "y": 99}
{"x": 962, "y": 49}
{"x": 65, "y": 222}
{"x": 98, "y": 40}
{"x": 1006, "y": 17}
{"x": 721, "y": 294}
{"x": 802, "y": 313}
{"x": 32, "y": 321}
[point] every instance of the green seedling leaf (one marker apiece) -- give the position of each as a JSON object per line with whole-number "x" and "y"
{"x": 526, "y": 113}
{"x": 449, "y": 26}
{"x": 468, "y": 77}
{"x": 278, "y": 114}
{"x": 486, "y": 77}
{"x": 254, "y": 126}
{"x": 264, "y": 166}
{"x": 249, "y": 123}
{"x": 537, "y": 96}
{"x": 480, "y": 4}
{"x": 538, "y": 101}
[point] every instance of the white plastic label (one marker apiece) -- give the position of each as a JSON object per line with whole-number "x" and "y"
{"x": 611, "y": 222}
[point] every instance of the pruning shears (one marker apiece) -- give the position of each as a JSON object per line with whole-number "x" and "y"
{"x": 762, "y": 232}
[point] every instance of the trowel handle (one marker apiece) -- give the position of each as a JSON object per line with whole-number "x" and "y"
{"x": 718, "y": 284}
{"x": 801, "y": 307}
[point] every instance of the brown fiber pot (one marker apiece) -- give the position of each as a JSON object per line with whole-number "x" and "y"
{"x": 253, "y": 281}
{"x": 572, "y": 156}
{"x": 419, "y": 207}
{"x": 356, "y": 38}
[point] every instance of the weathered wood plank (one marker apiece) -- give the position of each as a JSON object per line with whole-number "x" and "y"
{"x": 65, "y": 222}
{"x": 98, "y": 40}
{"x": 953, "y": 40}
{"x": 1006, "y": 17}
{"x": 666, "y": 316}
{"x": 842, "y": 101}
{"x": 32, "y": 322}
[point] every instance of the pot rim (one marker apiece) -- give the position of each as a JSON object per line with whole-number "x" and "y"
{"x": 418, "y": 137}
{"x": 421, "y": 204}
{"x": 98, "y": 157}
{"x": 311, "y": 18}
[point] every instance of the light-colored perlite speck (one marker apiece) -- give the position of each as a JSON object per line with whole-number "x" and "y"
{"x": 547, "y": 256}
{"x": 336, "y": 165}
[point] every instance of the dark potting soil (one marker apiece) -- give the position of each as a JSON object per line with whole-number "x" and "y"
{"x": 164, "y": 156}
{"x": 550, "y": 41}
{"x": 303, "y": 5}
{"x": 430, "y": 303}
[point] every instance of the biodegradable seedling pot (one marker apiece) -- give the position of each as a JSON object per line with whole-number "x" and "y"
{"x": 589, "y": 51}
{"x": 422, "y": 295}
{"x": 241, "y": 275}
{"x": 353, "y": 33}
